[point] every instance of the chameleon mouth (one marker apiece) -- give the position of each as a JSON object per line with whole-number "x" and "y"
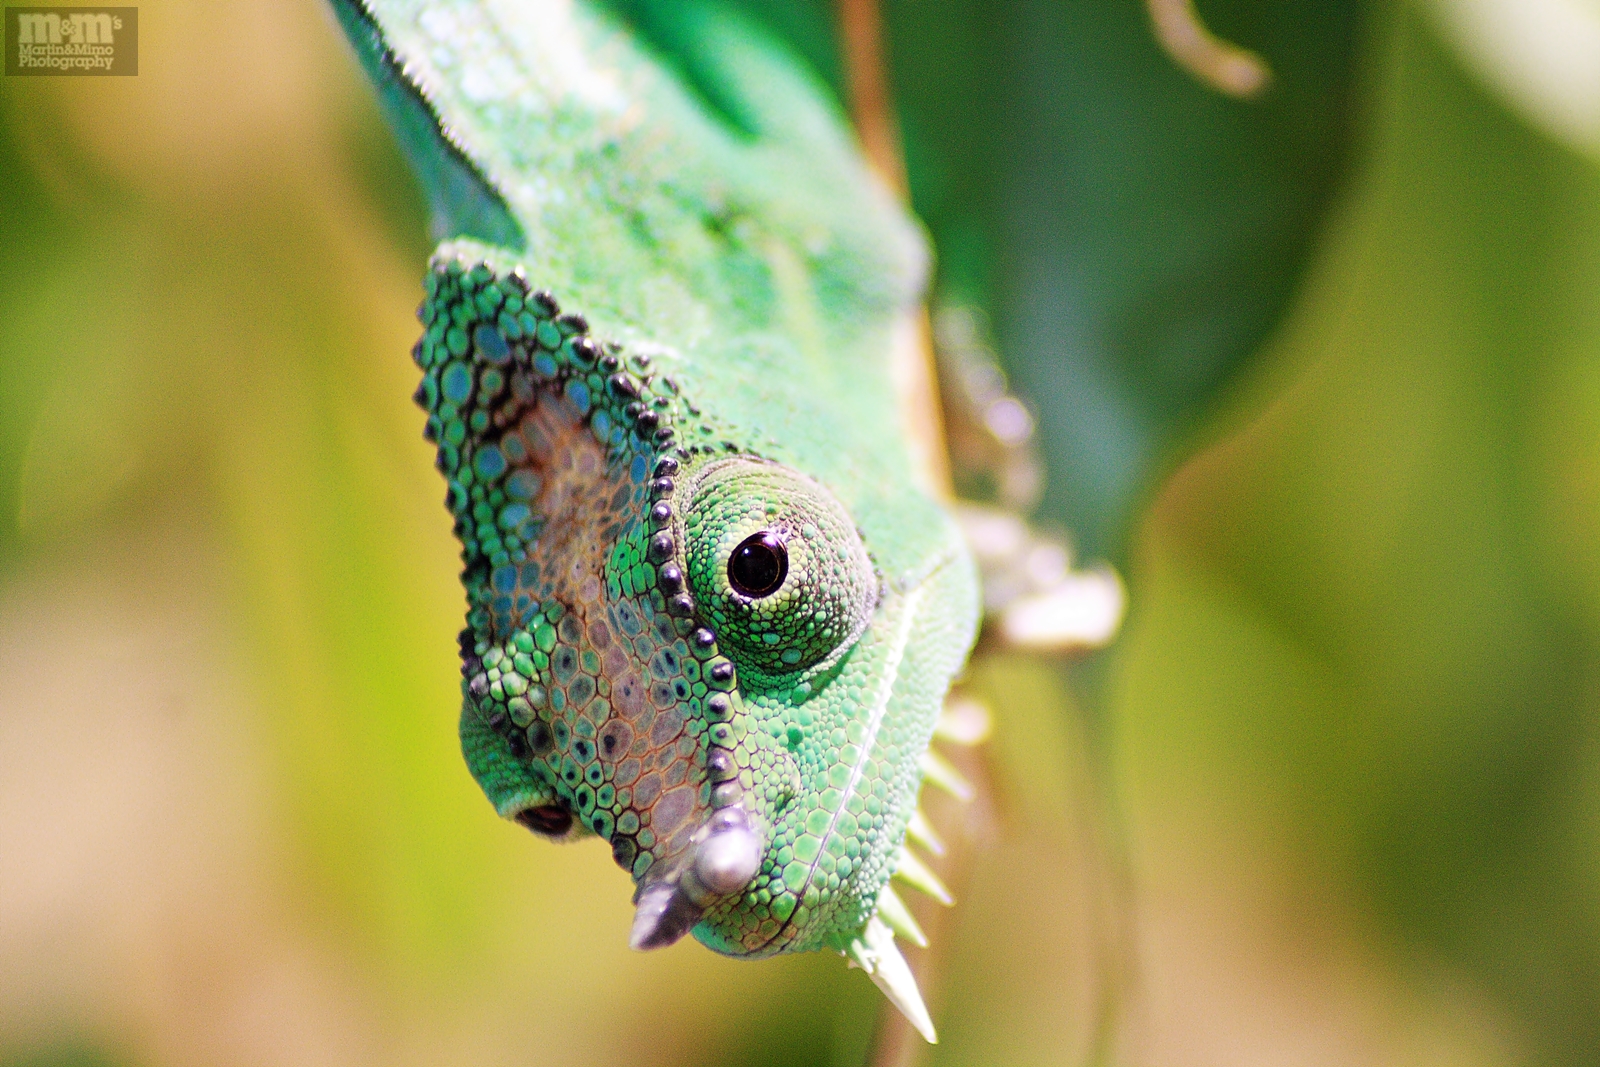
{"x": 552, "y": 820}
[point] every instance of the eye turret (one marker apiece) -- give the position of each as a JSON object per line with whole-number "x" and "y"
{"x": 776, "y": 566}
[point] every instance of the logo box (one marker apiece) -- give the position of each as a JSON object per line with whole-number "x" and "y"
{"x": 71, "y": 41}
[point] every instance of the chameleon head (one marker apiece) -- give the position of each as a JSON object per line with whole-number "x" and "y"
{"x": 684, "y": 648}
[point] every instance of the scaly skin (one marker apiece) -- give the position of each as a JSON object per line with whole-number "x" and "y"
{"x": 712, "y": 618}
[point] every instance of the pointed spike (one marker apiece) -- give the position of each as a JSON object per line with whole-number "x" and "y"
{"x": 891, "y": 974}
{"x": 963, "y": 721}
{"x": 663, "y": 915}
{"x": 922, "y": 833}
{"x": 938, "y": 771}
{"x": 914, "y": 873}
{"x": 859, "y": 955}
{"x": 893, "y": 911}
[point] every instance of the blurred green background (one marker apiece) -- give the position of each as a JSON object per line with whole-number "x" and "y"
{"x": 1321, "y": 373}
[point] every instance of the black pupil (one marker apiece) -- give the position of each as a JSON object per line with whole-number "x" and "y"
{"x": 759, "y": 565}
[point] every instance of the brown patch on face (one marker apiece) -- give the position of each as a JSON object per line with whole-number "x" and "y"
{"x": 615, "y": 739}
{"x": 604, "y": 721}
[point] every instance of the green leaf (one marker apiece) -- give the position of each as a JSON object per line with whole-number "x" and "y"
{"x": 1133, "y": 235}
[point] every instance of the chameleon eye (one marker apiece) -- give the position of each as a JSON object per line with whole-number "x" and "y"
{"x": 775, "y": 565}
{"x": 759, "y": 565}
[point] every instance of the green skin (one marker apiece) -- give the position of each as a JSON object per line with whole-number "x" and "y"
{"x": 739, "y": 276}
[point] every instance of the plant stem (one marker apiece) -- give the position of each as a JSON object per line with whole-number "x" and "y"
{"x": 1223, "y": 66}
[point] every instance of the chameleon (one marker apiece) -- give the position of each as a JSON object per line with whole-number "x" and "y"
{"x": 713, "y": 612}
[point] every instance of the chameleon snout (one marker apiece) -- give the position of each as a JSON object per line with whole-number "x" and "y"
{"x": 720, "y": 864}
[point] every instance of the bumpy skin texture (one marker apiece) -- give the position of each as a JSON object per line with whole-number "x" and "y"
{"x": 726, "y": 377}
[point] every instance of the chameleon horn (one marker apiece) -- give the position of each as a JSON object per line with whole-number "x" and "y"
{"x": 723, "y": 863}
{"x": 664, "y": 914}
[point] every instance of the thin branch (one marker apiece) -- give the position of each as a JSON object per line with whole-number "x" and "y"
{"x": 911, "y": 355}
{"x": 1224, "y": 66}
{"x": 871, "y": 104}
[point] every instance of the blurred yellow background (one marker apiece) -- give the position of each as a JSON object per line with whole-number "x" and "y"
{"x": 1343, "y": 806}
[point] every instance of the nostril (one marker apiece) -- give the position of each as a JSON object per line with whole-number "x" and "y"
{"x": 551, "y": 820}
